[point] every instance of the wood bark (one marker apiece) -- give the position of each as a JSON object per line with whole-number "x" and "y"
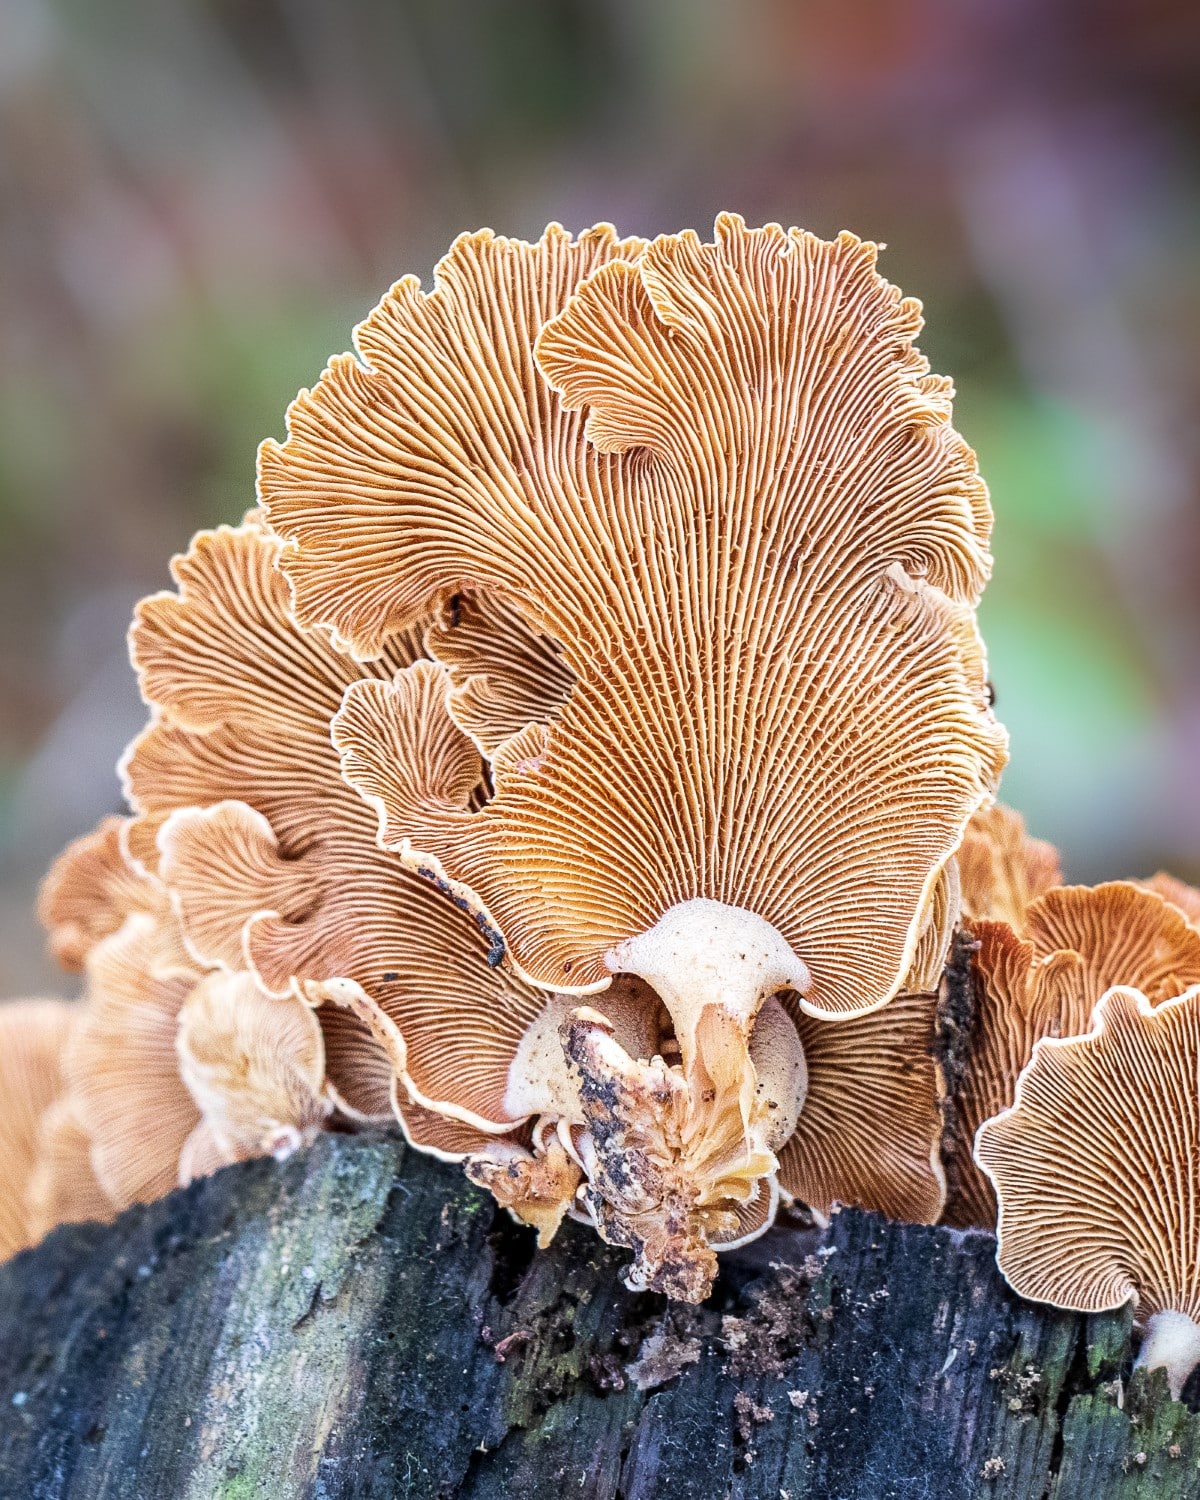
{"x": 360, "y": 1322}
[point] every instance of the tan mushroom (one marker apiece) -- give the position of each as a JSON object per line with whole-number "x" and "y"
{"x": 1002, "y": 869}
{"x": 168, "y": 1070}
{"x": 1096, "y": 1168}
{"x": 90, "y": 890}
{"x": 1079, "y": 941}
{"x": 1177, "y": 892}
{"x": 728, "y": 489}
{"x": 273, "y": 859}
{"x": 33, "y": 1034}
{"x": 63, "y": 1186}
{"x": 869, "y": 1132}
{"x": 504, "y": 676}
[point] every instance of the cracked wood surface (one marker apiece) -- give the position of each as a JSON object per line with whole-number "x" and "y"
{"x": 360, "y": 1322}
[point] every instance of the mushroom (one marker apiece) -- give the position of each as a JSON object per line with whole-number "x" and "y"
{"x": 273, "y": 860}
{"x": 255, "y": 1066}
{"x": 1002, "y": 869}
{"x": 1095, "y": 1168}
{"x": 1177, "y": 892}
{"x": 1079, "y": 941}
{"x": 504, "y": 676}
{"x": 868, "y": 1134}
{"x": 90, "y": 890}
{"x": 63, "y": 1187}
{"x": 168, "y": 1070}
{"x": 32, "y": 1036}
{"x": 722, "y": 480}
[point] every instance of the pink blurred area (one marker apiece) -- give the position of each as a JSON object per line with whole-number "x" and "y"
{"x": 198, "y": 200}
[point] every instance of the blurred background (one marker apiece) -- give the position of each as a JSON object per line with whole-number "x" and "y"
{"x": 198, "y": 200}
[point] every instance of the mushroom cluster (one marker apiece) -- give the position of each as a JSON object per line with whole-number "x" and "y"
{"x": 583, "y": 757}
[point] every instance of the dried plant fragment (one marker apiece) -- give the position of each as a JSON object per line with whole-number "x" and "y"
{"x": 729, "y": 489}
{"x": 1002, "y": 869}
{"x": 1079, "y": 942}
{"x": 274, "y": 860}
{"x": 1096, "y": 1169}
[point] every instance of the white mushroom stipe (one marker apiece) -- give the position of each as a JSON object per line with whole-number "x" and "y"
{"x": 1171, "y": 1342}
{"x": 702, "y": 953}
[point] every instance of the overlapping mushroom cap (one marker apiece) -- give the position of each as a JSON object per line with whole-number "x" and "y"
{"x": 1001, "y": 869}
{"x": 1178, "y": 893}
{"x": 1097, "y": 1171}
{"x": 274, "y": 862}
{"x": 168, "y": 1071}
{"x": 726, "y": 485}
{"x": 33, "y": 1035}
{"x": 1078, "y": 942}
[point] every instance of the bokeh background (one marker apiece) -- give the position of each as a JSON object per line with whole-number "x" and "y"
{"x": 199, "y": 198}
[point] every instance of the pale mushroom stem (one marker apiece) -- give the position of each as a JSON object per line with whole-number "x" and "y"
{"x": 1172, "y": 1343}
{"x": 703, "y": 953}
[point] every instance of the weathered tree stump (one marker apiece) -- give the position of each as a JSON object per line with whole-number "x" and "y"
{"x": 360, "y": 1322}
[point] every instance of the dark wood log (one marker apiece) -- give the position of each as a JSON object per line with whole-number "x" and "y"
{"x": 360, "y": 1322}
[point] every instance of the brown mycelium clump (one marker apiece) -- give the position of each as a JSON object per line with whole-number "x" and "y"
{"x": 1077, "y": 942}
{"x": 1096, "y": 1168}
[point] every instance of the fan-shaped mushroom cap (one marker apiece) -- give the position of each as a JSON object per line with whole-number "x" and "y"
{"x": 64, "y": 1188}
{"x": 273, "y": 859}
{"x": 167, "y": 1065}
{"x": 122, "y": 1069}
{"x": 729, "y": 489}
{"x": 1002, "y": 869}
{"x": 504, "y": 675}
{"x": 1096, "y": 1168}
{"x": 89, "y": 891}
{"x": 33, "y": 1034}
{"x": 869, "y": 1133}
{"x": 1079, "y": 942}
{"x": 1177, "y": 892}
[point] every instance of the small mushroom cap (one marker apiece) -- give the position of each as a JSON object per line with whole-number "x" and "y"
{"x": 121, "y": 1067}
{"x": 273, "y": 860}
{"x": 1096, "y": 1167}
{"x": 254, "y": 1063}
{"x": 869, "y": 1133}
{"x": 1079, "y": 942}
{"x": 1002, "y": 869}
{"x": 729, "y": 489}
{"x": 504, "y": 675}
{"x": 33, "y": 1034}
{"x": 63, "y": 1187}
{"x": 89, "y": 891}
{"x": 1177, "y": 892}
